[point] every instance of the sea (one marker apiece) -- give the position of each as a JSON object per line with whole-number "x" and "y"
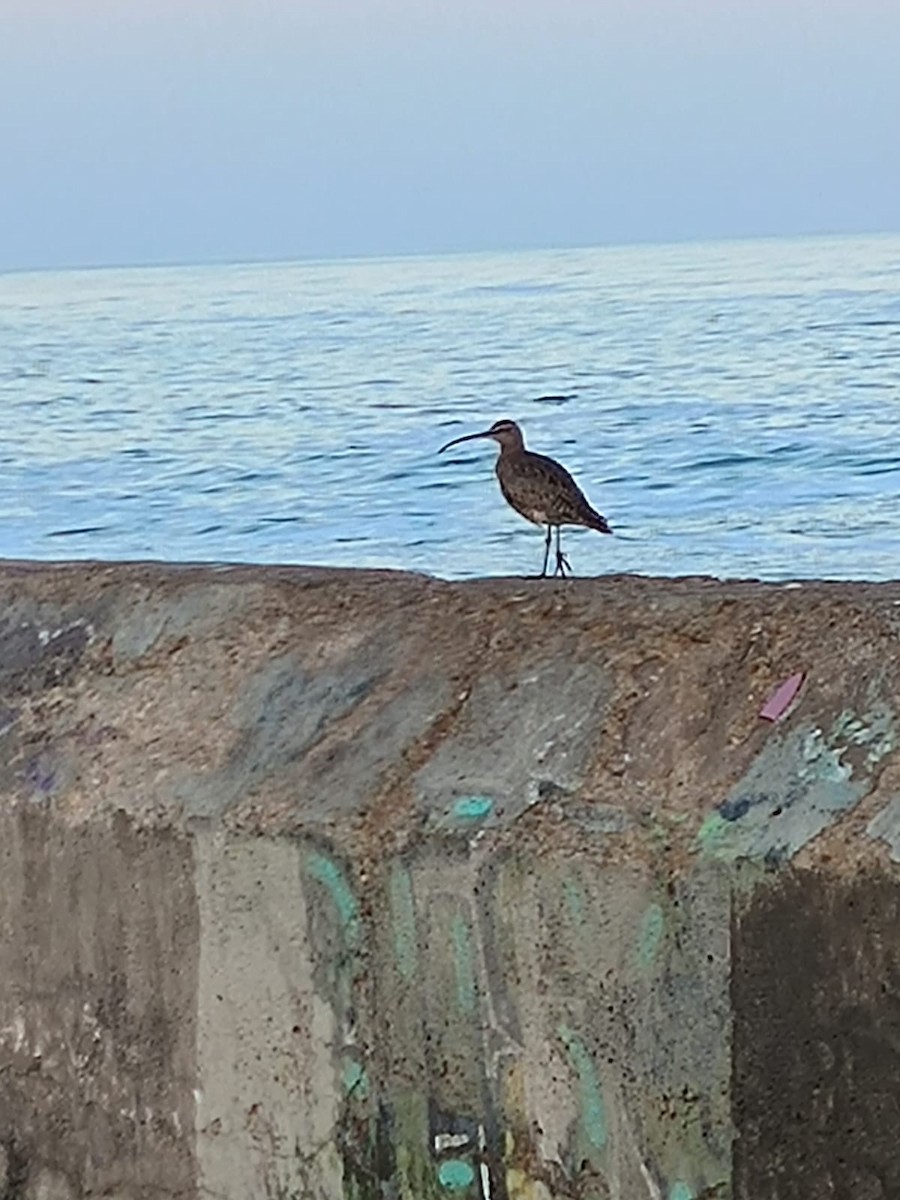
{"x": 732, "y": 408}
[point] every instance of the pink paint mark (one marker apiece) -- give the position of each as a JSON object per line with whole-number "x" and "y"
{"x": 781, "y": 699}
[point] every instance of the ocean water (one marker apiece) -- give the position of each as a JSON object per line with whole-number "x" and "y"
{"x": 732, "y": 408}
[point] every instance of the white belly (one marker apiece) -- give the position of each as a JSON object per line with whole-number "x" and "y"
{"x": 537, "y": 515}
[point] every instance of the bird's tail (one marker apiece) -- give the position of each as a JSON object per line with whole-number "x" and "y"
{"x": 599, "y": 523}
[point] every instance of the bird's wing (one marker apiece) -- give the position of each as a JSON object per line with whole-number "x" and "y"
{"x": 563, "y": 495}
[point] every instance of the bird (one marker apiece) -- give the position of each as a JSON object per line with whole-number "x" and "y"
{"x": 538, "y": 488}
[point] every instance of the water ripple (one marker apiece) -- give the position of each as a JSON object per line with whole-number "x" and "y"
{"x": 731, "y": 408}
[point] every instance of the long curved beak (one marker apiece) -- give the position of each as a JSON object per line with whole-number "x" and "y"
{"x": 467, "y": 437}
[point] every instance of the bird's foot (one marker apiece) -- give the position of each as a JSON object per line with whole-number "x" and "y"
{"x": 562, "y": 565}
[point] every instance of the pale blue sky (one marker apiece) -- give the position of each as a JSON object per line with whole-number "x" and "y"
{"x": 136, "y": 131}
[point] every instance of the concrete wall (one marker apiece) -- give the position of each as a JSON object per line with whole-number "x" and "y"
{"x": 355, "y": 885}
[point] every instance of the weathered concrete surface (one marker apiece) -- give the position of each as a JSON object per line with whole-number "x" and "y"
{"x": 355, "y": 885}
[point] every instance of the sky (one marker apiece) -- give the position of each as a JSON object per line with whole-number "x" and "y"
{"x": 161, "y": 131}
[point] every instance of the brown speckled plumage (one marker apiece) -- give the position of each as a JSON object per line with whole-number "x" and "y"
{"x": 537, "y": 487}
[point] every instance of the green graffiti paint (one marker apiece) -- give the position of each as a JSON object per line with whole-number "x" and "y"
{"x": 355, "y": 1080}
{"x": 403, "y": 915}
{"x": 712, "y": 829}
{"x": 330, "y": 875}
{"x": 593, "y": 1110}
{"x": 652, "y": 929}
{"x": 455, "y": 1174}
{"x": 473, "y": 808}
{"x": 680, "y": 1191}
{"x": 462, "y": 961}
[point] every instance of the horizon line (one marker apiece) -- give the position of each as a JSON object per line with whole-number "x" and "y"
{"x": 407, "y": 255}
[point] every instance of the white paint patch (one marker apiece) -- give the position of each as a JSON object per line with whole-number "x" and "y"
{"x": 485, "y": 1181}
{"x": 449, "y": 1141}
{"x": 652, "y": 1190}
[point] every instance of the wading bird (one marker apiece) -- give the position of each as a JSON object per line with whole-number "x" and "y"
{"x": 538, "y": 488}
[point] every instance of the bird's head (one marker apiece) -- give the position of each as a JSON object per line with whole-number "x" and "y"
{"x": 506, "y": 433}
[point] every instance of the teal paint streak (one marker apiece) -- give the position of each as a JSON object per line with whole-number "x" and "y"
{"x": 462, "y": 960}
{"x": 807, "y": 777}
{"x": 473, "y": 808}
{"x": 574, "y": 900}
{"x": 355, "y": 1080}
{"x": 712, "y": 830}
{"x": 680, "y": 1191}
{"x": 652, "y": 929}
{"x": 330, "y": 875}
{"x": 593, "y": 1110}
{"x": 455, "y": 1174}
{"x": 403, "y": 913}
{"x": 875, "y": 730}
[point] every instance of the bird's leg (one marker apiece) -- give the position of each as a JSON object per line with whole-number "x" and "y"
{"x": 546, "y": 553}
{"x": 562, "y": 563}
